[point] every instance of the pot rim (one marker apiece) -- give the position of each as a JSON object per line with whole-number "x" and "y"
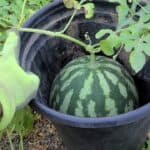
{"x": 49, "y": 6}
{"x": 122, "y": 119}
{"x": 118, "y": 120}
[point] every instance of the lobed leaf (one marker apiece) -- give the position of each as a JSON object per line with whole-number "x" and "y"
{"x": 137, "y": 60}
{"x": 135, "y": 37}
{"x": 146, "y": 45}
{"x": 103, "y": 32}
{"x": 89, "y": 10}
{"x": 22, "y": 122}
{"x": 71, "y": 4}
{"x": 109, "y": 44}
{"x": 122, "y": 10}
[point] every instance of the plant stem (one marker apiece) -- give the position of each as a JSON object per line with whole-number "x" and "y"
{"x": 96, "y": 45}
{"x": 68, "y": 24}
{"x": 21, "y": 141}
{"x": 22, "y": 13}
{"x": 60, "y": 35}
{"x": 10, "y": 141}
{"x": 72, "y": 17}
{"x": 118, "y": 52}
{"x": 145, "y": 10}
{"x": 92, "y": 58}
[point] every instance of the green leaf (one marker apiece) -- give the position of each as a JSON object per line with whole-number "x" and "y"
{"x": 146, "y": 27}
{"x": 122, "y": 10}
{"x": 144, "y": 13}
{"x": 109, "y": 44}
{"x": 89, "y": 10}
{"x": 145, "y": 46}
{"x": 10, "y": 13}
{"x": 103, "y": 32}
{"x": 127, "y": 39}
{"x": 107, "y": 48}
{"x": 144, "y": 17}
{"x": 135, "y": 37}
{"x": 137, "y": 60}
{"x": 22, "y": 122}
{"x": 71, "y": 4}
{"x": 3, "y": 3}
{"x": 146, "y": 49}
{"x": 122, "y": 14}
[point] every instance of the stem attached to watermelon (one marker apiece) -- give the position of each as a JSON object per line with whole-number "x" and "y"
{"x": 92, "y": 59}
{"x": 88, "y": 48}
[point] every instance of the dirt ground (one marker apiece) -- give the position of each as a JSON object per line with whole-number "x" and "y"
{"x": 43, "y": 137}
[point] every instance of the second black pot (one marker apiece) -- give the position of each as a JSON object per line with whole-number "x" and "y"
{"x": 46, "y": 56}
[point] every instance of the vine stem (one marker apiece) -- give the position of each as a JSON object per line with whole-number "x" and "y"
{"x": 88, "y": 48}
{"x": 72, "y": 17}
{"x": 96, "y": 45}
{"x": 21, "y": 141}
{"x": 69, "y": 22}
{"x": 92, "y": 59}
{"x": 118, "y": 52}
{"x": 10, "y": 141}
{"x": 22, "y": 13}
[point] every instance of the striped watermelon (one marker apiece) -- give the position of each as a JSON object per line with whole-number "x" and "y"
{"x": 85, "y": 90}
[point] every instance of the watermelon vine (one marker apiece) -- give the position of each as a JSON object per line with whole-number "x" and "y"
{"x": 132, "y": 33}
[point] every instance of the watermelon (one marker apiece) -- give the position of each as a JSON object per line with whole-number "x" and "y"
{"x": 101, "y": 89}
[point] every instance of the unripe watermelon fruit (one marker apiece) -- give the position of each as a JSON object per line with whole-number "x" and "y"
{"x": 85, "y": 90}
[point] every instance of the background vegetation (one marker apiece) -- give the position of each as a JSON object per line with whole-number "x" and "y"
{"x": 10, "y": 11}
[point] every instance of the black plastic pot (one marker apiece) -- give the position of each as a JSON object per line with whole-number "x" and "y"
{"x": 46, "y": 56}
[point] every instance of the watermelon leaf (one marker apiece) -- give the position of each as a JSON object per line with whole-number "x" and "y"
{"x": 89, "y": 10}
{"x": 22, "y": 122}
{"x": 109, "y": 44}
{"x": 72, "y": 4}
{"x": 146, "y": 45}
{"x": 103, "y": 32}
{"x": 122, "y": 10}
{"x": 137, "y": 60}
{"x": 69, "y": 3}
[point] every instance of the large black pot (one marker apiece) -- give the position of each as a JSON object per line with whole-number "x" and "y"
{"x": 46, "y": 56}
